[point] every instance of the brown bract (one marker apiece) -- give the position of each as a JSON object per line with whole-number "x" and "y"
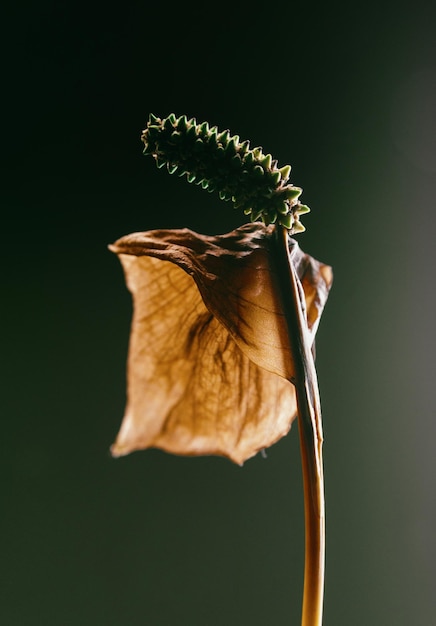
{"x": 209, "y": 364}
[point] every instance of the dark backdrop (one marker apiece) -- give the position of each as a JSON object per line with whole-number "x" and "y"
{"x": 347, "y": 95}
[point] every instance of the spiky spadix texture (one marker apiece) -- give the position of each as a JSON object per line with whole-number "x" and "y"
{"x": 219, "y": 162}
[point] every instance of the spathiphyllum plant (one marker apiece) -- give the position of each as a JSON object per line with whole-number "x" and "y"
{"x": 221, "y": 347}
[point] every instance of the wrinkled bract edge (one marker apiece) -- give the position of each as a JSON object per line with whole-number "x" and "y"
{"x": 209, "y": 359}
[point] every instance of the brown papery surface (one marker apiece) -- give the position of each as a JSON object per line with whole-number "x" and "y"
{"x": 209, "y": 357}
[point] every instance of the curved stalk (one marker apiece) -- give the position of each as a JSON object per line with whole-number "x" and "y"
{"x": 310, "y": 431}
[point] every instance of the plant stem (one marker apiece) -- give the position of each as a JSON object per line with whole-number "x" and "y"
{"x": 310, "y": 431}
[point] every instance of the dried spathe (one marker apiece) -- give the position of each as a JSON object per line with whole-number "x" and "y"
{"x": 209, "y": 364}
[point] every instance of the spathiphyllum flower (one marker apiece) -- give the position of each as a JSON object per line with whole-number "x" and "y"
{"x": 210, "y": 364}
{"x": 221, "y": 346}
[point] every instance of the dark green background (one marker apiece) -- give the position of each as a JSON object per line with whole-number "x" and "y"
{"x": 347, "y": 95}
